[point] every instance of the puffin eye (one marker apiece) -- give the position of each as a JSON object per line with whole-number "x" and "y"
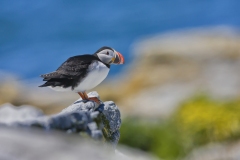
{"x": 107, "y": 53}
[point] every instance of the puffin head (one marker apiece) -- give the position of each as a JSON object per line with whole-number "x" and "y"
{"x": 109, "y": 56}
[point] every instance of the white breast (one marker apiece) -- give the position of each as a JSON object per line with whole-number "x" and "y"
{"x": 97, "y": 72}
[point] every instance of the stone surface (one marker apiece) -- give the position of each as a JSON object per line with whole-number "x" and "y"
{"x": 25, "y": 144}
{"x": 27, "y": 134}
{"x": 110, "y": 118}
{"x": 81, "y": 116}
{"x": 35, "y": 144}
{"x": 216, "y": 151}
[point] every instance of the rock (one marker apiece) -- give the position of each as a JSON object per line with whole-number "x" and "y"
{"x": 216, "y": 151}
{"x": 26, "y": 133}
{"x": 110, "y": 118}
{"x": 10, "y": 114}
{"x": 81, "y": 116}
{"x": 35, "y": 144}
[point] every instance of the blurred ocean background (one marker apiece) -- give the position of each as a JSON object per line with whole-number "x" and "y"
{"x": 179, "y": 91}
{"x": 37, "y": 36}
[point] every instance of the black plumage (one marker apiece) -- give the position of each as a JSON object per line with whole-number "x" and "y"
{"x": 71, "y": 72}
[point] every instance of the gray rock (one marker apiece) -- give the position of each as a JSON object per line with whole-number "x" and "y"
{"x": 82, "y": 116}
{"x": 37, "y": 144}
{"x": 216, "y": 151}
{"x": 110, "y": 118}
{"x": 10, "y": 113}
{"x": 27, "y": 134}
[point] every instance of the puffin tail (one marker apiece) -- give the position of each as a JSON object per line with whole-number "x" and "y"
{"x": 50, "y": 75}
{"x": 43, "y": 85}
{"x": 50, "y": 83}
{"x": 47, "y": 77}
{"x": 54, "y": 79}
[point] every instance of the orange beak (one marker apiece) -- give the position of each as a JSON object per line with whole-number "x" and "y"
{"x": 119, "y": 59}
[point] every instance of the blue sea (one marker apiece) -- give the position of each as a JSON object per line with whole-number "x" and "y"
{"x": 37, "y": 36}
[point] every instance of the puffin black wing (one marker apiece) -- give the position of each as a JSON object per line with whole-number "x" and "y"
{"x": 70, "y": 73}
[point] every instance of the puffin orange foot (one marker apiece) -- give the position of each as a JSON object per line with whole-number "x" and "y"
{"x": 95, "y": 99}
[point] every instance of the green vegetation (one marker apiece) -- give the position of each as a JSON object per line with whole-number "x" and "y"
{"x": 198, "y": 121}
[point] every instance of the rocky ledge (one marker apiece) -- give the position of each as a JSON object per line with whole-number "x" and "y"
{"x": 100, "y": 121}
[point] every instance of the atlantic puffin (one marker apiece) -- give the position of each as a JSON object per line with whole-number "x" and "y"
{"x": 83, "y": 72}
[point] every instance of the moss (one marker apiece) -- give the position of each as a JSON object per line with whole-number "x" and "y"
{"x": 158, "y": 138}
{"x": 198, "y": 121}
{"x": 209, "y": 120}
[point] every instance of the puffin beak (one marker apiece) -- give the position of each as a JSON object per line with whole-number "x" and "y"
{"x": 119, "y": 58}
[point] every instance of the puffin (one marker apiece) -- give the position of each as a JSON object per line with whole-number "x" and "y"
{"x": 83, "y": 72}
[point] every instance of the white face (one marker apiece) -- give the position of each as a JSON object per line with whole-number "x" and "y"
{"x": 107, "y": 56}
